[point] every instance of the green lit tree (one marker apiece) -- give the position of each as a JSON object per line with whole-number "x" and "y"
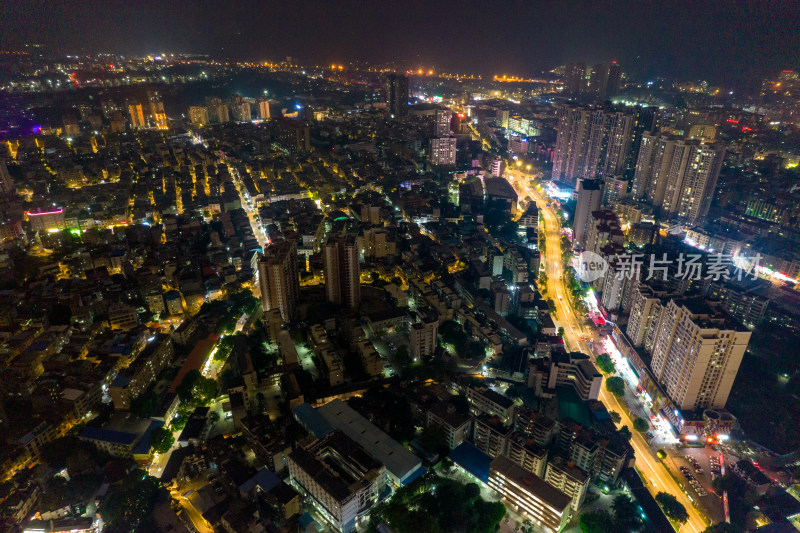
{"x": 640, "y": 424}
{"x": 161, "y": 440}
{"x": 599, "y": 521}
{"x": 626, "y": 513}
{"x": 672, "y": 508}
{"x": 605, "y": 364}
{"x": 616, "y": 386}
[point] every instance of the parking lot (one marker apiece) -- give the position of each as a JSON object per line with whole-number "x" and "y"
{"x": 696, "y": 469}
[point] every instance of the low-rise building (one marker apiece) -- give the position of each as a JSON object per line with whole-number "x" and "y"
{"x": 484, "y": 400}
{"x": 569, "y": 479}
{"x": 529, "y": 495}
{"x": 340, "y": 478}
{"x": 456, "y": 427}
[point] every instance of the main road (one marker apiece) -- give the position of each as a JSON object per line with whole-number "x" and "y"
{"x": 576, "y": 330}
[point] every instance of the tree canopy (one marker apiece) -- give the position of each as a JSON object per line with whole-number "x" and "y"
{"x": 616, "y": 386}
{"x": 626, "y": 513}
{"x": 672, "y": 508}
{"x": 640, "y": 424}
{"x": 196, "y": 387}
{"x": 161, "y": 440}
{"x": 605, "y": 364}
{"x": 437, "y": 505}
{"x": 128, "y": 505}
{"x": 599, "y": 521}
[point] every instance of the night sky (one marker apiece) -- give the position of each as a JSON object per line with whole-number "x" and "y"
{"x": 721, "y": 41}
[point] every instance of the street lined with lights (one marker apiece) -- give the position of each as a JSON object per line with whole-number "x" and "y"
{"x": 655, "y": 474}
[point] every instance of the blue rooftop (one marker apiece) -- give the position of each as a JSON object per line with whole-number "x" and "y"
{"x": 472, "y": 460}
{"x": 120, "y": 381}
{"x": 143, "y": 446}
{"x": 264, "y": 479}
{"x": 310, "y": 419}
{"x": 108, "y": 435}
{"x": 419, "y": 472}
{"x": 38, "y": 346}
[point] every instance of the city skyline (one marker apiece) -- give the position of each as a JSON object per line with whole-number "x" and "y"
{"x": 355, "y": 285}
{"x": 721, "y": 42}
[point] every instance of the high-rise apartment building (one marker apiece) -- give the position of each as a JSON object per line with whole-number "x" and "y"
{"x": 158, "y": 113}
{"x": 219, "y": 113}
{"x": 592, "y": 142}
{"x": 598, "y": 81}
{"x": 696, "y": 354}
{"x": 575, "y": 78}
{"x": 614, "y": 190}
{"x": 198, "y": 115}
{"x": 604, "y": 80}
{"x": 423, "y": 337}
{"x": 647, "y": 303}
{"x": 617, "y": 138}
{"x": 691, "y": 189}
{"x": 342, "y": 270}
{"x": 590, "y": 193}
{"x": 117, "y": 122}
{"x": 241, "y": 111}
{"x": 502, "y": 118}
{"x": 443, "y": 152}
{"x": 294, "y": 135}
{"x": 646, "y": 119}
{"x": 263, "y": 109}
{"x": 678, "y": 176}
{"x": 613, "y": 80}
{"x": 136, "y": 112}
{"x": 396, "y": 94}
{"x": 278, "y": 278}
{"x": 441, "y": 125}
{"x": 579, "y": 145}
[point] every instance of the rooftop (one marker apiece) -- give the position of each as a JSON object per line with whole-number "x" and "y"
{"x": 472, "y": 460}
{"x": 399, "y": 461}
{"x": 531, "y": 483}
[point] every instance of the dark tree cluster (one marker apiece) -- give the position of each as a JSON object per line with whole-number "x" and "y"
{"x": 624, "y": 516}
{"x": 437, "y": 505}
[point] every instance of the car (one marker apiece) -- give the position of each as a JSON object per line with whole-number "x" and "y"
{"x": 698, "y": 470}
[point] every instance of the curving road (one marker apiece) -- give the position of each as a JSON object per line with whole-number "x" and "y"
{"x": 576, "y": 328}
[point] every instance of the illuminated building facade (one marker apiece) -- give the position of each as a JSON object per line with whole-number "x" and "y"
{"x": 696, "y": 355}
{"x": 529, "y": 495}
{"x": 278, "y": 278}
